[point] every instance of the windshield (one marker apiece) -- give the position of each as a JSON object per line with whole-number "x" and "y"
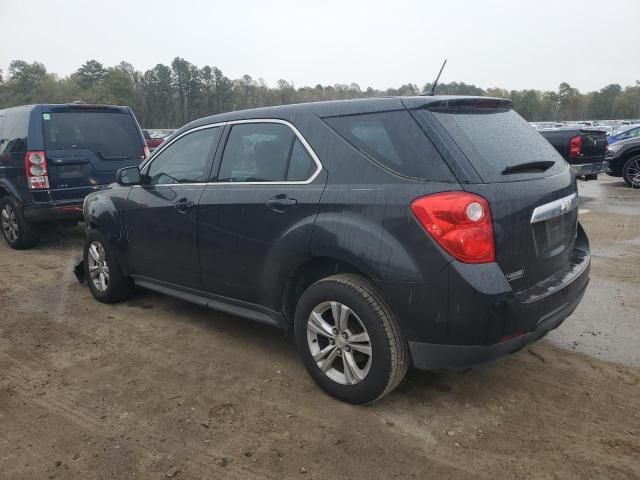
{"x": 495, "y": 139}
{"x": 111, "y": 135}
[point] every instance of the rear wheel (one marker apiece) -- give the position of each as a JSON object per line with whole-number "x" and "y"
{"x": 105, "y": 278}
{"x": 18, "y": 233}
{"x": 631, "y": 172}
{"x": 349, "y": 339}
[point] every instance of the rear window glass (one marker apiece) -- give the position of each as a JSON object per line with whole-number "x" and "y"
{"x": 495, "y": 139}
{"x": 110, "y": 135}
{"x": 394, "y": 140}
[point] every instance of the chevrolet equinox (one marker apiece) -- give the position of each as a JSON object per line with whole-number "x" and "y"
{"x": 432, "y": 231}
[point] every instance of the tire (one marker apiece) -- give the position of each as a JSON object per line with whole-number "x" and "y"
{"x": 18, "y": 233}
{"x": 372, "y": 375}
{"x": 107, "y": 282}
{"x": 631, "y": 172}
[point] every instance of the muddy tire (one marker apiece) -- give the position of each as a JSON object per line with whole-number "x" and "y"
{"x": 349, "y": 339}
{"x": 105, "y": 278}
{"x": 18, "y": 233}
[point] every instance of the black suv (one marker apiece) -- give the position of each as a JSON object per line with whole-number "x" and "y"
{"x": 624, "y": 161}
{"x": 432, "y": 231}
{"x": 52, "y": 156}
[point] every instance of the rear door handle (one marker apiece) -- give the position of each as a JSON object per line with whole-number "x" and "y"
{"x": 280, "y": 203}
{"x": 183, "y": 205}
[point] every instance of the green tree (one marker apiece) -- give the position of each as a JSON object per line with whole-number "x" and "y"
{"x": 25, "y": 80}
{"x": 604, "y": 101}
{"x": 181, "y": 78}
{"x": 90, "y": 74}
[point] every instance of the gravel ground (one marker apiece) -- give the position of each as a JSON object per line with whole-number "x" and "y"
{"x": 158, "y": 388}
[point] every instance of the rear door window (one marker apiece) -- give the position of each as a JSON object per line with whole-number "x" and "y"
{"x": 494, "y": 139}
{"x": 395, "y": 141}
{"x": 264, "y": 152}
{"x": 14, "y": 131}
{"x": 111, "y": 135}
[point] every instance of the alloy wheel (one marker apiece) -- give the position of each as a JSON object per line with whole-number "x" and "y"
{"x": 98, "y": 268}
{"x": 339, "y": 343}
{"x": 633, "y": 173}
{"x": 9, "y": 223}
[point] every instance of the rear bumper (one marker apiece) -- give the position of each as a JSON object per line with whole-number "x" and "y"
{"x": 427, "y": 356}
{"x": 583, "y": 169}
{"x": 471, "y": 315}
{"x": 45, "y": 212}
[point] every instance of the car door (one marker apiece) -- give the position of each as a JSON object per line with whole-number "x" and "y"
{"x": 256, "y": 217}
{"x": 161, "y": 215}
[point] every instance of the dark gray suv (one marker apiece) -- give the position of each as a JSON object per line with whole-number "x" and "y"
{"x": 426, "y": 231}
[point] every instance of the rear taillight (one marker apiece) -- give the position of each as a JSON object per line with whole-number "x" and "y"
{"x": 147, "y": 152}
{"x": 574, "y": 146}
{"x": 460, "y": 223}
{"x": 35, "y": 169}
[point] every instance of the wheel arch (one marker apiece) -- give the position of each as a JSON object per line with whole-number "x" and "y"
{"x": 6, "y": 188}
{"x": 101, "y": 213}
{"x": 307, "y": 273}
{"x": 622, "y": 159}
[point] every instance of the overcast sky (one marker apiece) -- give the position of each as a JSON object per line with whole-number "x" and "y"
{"x": 510, "y": 44}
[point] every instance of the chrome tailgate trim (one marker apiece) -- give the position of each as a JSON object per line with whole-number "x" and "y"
{"x": 555, "y": 208}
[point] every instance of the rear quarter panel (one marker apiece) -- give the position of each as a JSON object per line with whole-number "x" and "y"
{"x": 365, "y": 219}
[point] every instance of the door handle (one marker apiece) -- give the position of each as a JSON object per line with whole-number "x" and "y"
{"x": 183, "y": 205}
{"x": 280, "y": 203}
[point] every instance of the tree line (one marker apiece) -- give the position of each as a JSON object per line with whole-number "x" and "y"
{"x": 171, "y": 95}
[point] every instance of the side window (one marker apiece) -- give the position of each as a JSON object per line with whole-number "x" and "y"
{"x": 16, "y": 125}
{"x": 184, "y": 161}
{"x": 394, "y": 140}
{"x": 301, "y": 165}
{"x": 2, "y": 114}
{"x": 264, "y": 152}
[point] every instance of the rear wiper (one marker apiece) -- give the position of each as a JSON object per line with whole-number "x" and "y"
{"x": 112, "y": 157}
{"x": 522, "y": 167}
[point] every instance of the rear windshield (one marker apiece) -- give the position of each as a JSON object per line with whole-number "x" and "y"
{"x": 493, "y": 139}
{"x": 394, "y": 140}
{"x": 109, "y": 134}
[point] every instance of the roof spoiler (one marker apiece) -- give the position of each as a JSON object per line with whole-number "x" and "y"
{"x": 469, "y": 104}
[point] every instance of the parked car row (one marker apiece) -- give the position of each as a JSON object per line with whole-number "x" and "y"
{"x": 430, "y": 231}
{"x": 155, "y": 137}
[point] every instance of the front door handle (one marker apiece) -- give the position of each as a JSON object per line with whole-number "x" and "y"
{"x": 183, "y": 205}
{"x": 280, "y": 203}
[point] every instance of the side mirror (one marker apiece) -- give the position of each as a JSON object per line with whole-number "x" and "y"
{"x": 128, "y": 176}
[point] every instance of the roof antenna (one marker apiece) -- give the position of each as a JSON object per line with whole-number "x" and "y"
{"x": 435, "y": 83}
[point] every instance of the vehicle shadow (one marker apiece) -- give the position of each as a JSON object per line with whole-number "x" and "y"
{"x": 66, "y": 236}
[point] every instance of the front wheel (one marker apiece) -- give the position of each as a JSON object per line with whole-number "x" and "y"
{"x": 349, "y": 339}
{"x": 105, "y": 278}
{"x": 631, "y": 172}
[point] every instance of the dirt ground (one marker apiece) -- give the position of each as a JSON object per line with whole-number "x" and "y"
{"x": 156, "y": 388}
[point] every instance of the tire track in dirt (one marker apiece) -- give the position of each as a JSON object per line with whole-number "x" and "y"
{"x": 57, "y": 402}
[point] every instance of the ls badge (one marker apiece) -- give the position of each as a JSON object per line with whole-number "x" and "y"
{"x": 515, "y": 275}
